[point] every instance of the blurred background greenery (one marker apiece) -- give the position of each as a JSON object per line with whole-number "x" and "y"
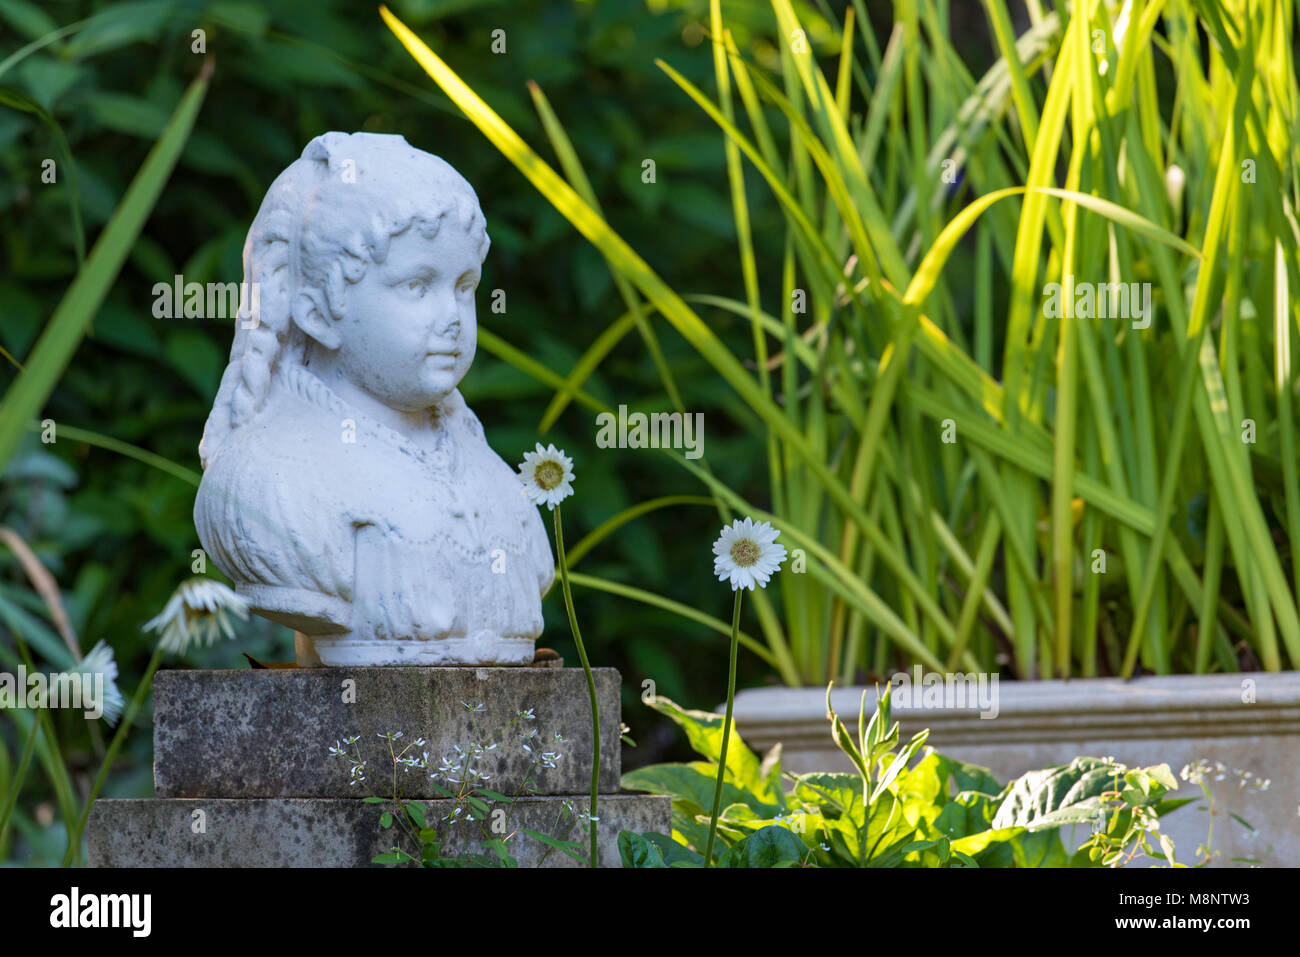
{"x": 118, "y": 534}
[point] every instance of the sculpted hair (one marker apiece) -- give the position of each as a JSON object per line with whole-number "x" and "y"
{"x": 323, "y": 221}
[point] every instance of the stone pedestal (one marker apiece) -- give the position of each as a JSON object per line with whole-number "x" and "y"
{"x": 245, "y": 775}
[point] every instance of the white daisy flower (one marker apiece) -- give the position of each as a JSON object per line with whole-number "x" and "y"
{"x": 100, "y": 661}
{"x": 747, "y": 554}
{"x": 198, "y": 611}
{"x": 547, "y": 475}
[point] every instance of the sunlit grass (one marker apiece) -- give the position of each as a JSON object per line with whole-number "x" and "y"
{"x": 957, "y": 463}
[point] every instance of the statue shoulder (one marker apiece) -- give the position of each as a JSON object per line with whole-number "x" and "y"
{"x": 268, "y": 511}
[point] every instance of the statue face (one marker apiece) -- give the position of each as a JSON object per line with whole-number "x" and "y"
{"x": 409, "y": 332}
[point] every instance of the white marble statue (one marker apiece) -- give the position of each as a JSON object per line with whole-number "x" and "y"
{"x": 348, "y": 489}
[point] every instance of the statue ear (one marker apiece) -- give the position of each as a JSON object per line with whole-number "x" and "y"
{"x": 310, "y": 315}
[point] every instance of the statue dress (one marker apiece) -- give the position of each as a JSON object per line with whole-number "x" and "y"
{"x": 442, "y": 576}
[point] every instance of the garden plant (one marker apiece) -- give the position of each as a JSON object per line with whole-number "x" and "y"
{"x": 998, "y": 339}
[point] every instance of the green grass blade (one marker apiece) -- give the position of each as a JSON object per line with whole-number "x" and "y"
{"x": 52, "y": 352}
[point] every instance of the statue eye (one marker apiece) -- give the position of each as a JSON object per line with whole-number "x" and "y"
{"x": 417, "y": 286}
{"x": 466, "y": 285}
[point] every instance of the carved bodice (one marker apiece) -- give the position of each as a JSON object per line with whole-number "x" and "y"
{"x": 324, "y": 517}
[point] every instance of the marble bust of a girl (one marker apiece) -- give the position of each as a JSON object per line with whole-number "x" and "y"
{"x": 348, "y": 490}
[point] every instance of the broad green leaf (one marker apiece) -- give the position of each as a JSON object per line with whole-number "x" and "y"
{"x": 1068, "y": 794}
{"x": 637, "y": 850}
{"x": 975, "y": 844}
{"x": 773, "y": 846}
{"x": 704, "y": 731}
{"x": 693, "y": 783}
{"x": 838, "y": 793}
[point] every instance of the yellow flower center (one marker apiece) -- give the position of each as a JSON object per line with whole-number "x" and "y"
{"x": 548, "y": 475}
{"x": 745, "y": 552}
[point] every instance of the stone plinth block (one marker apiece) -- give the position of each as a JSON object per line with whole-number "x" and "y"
{"x": 336, "y": 832}
{"x": 268, "y": 733}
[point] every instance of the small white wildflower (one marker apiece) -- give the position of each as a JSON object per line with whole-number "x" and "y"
{"x": 547, "y": 476}
{"x": 100, "y": 662}
{"x": 198, "y": 611}
{"x": 747, "y": 553}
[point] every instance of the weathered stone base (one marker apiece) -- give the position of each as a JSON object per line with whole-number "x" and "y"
{"x": 336, "y": 832}
{"x": 245, "y": 777}
{"x": 268, "y": 733}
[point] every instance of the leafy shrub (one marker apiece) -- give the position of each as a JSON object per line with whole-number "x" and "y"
{"x": 939, "y": 812}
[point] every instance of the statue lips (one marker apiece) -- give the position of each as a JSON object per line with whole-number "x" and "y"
{"x": 444, "y": 359}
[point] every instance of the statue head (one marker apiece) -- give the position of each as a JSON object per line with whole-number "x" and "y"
{"x": 363, "y": 259}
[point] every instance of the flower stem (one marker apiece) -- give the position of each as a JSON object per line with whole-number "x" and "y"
{"x": 19, "y": 777}
{"x": 591, "y": 680}
{"x": 59, "y": 778}
{"x": 137, "y": 701}
{"x": 726, "y": 730}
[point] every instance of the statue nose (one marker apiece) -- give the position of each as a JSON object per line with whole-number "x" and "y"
{"x": 447, "y": 327}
